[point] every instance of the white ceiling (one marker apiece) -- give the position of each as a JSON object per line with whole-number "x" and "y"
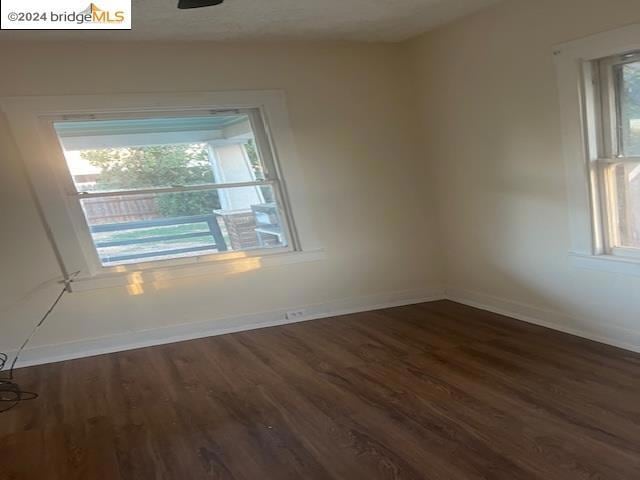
{"x": 241, "y": 20}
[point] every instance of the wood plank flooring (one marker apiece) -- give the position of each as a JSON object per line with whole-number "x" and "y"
{"x": 433, "y": 391}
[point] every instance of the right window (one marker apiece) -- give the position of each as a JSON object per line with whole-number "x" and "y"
{"x": 616, "y": 170}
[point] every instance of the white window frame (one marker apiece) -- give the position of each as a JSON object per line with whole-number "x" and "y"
{"x": 31, "y": 120}
{"x": 586, "y": 147}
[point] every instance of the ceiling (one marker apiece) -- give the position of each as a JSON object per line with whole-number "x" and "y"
{"x": 243, "y": 20}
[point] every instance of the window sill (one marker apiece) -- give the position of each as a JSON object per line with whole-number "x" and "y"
{"x": 606, "y": 263}
{"x": 157, "y": 277}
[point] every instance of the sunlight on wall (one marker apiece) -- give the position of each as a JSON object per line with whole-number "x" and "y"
{"x": 237, "y": 262}
{"x": 245, "y": 265}
{"x": 135, "y": 289}
{"x": 135, "y": 284}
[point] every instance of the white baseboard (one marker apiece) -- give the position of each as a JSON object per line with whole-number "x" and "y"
{"x": 608, "y": 334}
{"x": 597, "y": 331}
{"x": 158, "y": 336}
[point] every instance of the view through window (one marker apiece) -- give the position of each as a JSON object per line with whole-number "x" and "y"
{"x": 170, "y": 187}
{"x": 619, "y": 156}
{"x": 627, "y": 173}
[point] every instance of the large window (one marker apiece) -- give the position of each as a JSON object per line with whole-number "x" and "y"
{"x": 147, "y": 188}
{"x": 156, "y": 187}
{"x": 616, "y": 140}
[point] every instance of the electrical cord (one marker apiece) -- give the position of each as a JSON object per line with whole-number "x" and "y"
{"x": 10, "y": 391}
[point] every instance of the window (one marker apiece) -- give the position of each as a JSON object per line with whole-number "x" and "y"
{"x": 170, "y": 186}
{"x": 137, "y": 188}
{"x": 599, "y": 93}
{"x": 616, "y": 167}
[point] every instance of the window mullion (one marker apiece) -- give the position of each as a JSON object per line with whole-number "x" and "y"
{"x": 618, "y": 160}
{"x": 173, "y": 189}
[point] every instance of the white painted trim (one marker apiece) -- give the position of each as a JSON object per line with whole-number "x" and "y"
{"x": 225, "y": 263}
{"x": 606, "y": 263}
{"x": 604, "y": 44}
{"x": 569, "y": 70}
{"x": 178, "y": 333}
{"x": 597, "y": 331}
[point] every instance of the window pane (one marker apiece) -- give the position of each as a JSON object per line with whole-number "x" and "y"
{"x": 629, "y": 100}
{"x": 112, "y": 155}
{"x": 148, "y": 227}
{"x": 627, "y": 197}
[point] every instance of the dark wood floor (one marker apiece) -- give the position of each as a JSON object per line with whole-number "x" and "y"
{"x": 432, "y": 391}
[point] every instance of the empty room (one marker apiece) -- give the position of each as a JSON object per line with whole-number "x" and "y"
{"x": 308, "y": 240}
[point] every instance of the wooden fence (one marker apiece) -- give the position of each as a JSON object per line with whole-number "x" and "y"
{"x": 119, "y": 209}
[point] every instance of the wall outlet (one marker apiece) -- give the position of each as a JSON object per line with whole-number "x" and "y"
{"x": 295, "y": 314}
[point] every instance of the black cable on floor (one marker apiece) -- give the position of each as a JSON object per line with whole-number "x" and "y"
{"x": 10, "y": 392}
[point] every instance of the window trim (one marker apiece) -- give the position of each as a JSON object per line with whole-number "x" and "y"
{"x": 31, "y": 119}
{"x": 582, "y": 139}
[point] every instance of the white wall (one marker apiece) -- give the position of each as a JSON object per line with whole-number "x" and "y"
{"x": 348, "y": 108}
{"x": 491, "y": 121}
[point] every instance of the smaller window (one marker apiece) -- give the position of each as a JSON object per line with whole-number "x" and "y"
{"x": 162, "y": 187}
{"x": 615, "y": 161}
